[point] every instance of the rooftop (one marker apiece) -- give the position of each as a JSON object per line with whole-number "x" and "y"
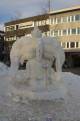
{"x": 66, "y": 10}
{"x": 43, "y": 15}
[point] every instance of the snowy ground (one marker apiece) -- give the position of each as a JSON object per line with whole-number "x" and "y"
{"x": 61, "y": 110}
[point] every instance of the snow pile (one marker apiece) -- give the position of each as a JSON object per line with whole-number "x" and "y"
{"x": 68, "y": 111}
{"x": 3, "y": 69}
{"x": 72, "y": 82}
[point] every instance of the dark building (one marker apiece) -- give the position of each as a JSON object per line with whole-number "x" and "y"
{"x": 1, "y": 46}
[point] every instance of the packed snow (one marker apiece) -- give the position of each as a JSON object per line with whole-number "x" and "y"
{"x": 68, "y": 110}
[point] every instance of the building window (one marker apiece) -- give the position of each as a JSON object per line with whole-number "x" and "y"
{"x": 72, "y": 45}
{"x": 10, "y": 28}
{"x": 64, "y": 32}
{"x": 69, "y": 32}
{"x": 36, "y": 23}
{"x": 72, "y": 18}
{"x": 55, "y": 20}
{"x": 67, "y": 44}
{"x": 78, "y": 30}
{"x": 43, "y": 22}
{"x": 58, "y": 20}
{"x": 7, "y": 28}
{"x": 11, "y": 38}
{"x": 64, "y": 19}
{"x": 47, "y": 21}
{"x": 69, "y": 18}
{"x": 17, "y": 27}
{"x": 77, "y": 17}
{"x": 56, "y": 33}
{"x": 77, "y": 44}
{"x": 40, "y": 23}
{"x": 52, "y": 20}
{"x": 74, "y": 31}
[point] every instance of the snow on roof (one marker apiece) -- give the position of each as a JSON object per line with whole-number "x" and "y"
{"x": 65, "y": 10}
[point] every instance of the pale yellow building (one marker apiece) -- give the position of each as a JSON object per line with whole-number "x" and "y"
{"x": 65, "y": 24}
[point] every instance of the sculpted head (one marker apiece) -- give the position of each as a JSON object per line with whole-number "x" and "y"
{"x": 36, "y": 33}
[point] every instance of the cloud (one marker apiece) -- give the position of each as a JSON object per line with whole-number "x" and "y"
{"x": 23, "y": 8}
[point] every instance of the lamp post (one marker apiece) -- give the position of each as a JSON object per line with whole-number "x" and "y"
{"x": 49, "y": 5}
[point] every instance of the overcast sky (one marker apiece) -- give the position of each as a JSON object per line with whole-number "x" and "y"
{"x": 11, "y": 9}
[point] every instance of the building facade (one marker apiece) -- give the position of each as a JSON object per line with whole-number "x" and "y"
{"x": 1, "y": 45}
{"x": 63, "y": 24}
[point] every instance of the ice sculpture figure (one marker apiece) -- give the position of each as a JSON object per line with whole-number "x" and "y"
{"x": 42, "y": 81}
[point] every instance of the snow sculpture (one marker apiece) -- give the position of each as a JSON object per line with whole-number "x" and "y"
{"x": 27, "y": 48}
{"x": 40, "y": 53}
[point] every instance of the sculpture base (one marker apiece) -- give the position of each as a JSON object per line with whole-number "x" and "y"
{"x": 38, "y": 90}
{"x": 57, "y": 94}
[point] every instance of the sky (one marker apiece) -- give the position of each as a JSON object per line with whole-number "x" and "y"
{"x": 15, "y": 9}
